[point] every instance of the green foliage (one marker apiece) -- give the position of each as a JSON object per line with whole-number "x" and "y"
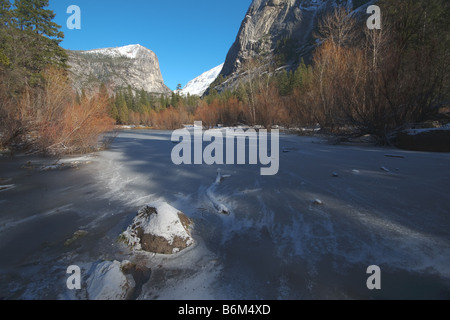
{"x": 287, "y": 82}
{"x": 29, "y": 42}
{"x": 217, "y": 82}
{"x": 213, "y": 94}
{"x": 4, "y": 60}
{"x": 5, "y": 15}
{"x": 286, "y": 51}
{"x": 143, "y": 103}
{"x": 122, "y": 109}
{"x": 175, "y": 99}
{"x": 31, "y": 15}
{"x": 284, "y": 83}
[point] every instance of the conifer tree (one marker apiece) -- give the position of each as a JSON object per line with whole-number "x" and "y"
{"x": 32, "y": 15}
{"x": 30, "y": 40}
{"x": 143, "y": 103}
{"x": 284, "y": 83}
{"x": 5, "y": 13}
{"x": 122, "y": 109}
{"x": 300, "y": 75}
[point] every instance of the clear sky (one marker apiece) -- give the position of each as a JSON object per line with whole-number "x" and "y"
{"x": 189, "y": 37}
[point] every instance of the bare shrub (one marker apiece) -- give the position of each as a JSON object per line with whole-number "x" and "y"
{"x": 167, "y": 119}
{"x": 51, "y": 120}
{"x": 208, "y": 114}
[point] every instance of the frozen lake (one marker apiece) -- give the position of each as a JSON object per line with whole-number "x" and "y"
{"x": 309, "y": 232}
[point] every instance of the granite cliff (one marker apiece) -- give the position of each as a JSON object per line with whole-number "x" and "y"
{"x": 118, "y": 68}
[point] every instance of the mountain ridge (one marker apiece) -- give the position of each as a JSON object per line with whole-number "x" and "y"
{"x": 283, "y": 27}
{"x": 200, "y": 84}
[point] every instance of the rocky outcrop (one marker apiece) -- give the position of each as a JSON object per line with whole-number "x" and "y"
{"x": 281, "y": 27}
{"x": 108, "y": 281}
{"x": 118, "y": 68}
{"x": 159, "y": 228}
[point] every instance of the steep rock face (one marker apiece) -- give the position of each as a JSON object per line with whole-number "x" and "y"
{"x": 276, "y": 26}
{"x": 133, "y": 65}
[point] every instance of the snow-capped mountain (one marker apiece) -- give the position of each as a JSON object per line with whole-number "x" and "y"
{"x": 130, "y": 51}
{"x": 118, "y": 68}
{"x": 199, "y": 85}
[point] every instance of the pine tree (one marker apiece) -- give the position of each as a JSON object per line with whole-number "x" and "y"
{"x": 162, "y": 102}
{"x": 178, "y": 89}
{"x": 130, "y": 99}
{"x": 122, "y": 109}
{"x": 284, "y": 83}
{"x": 32, "y": 15}
{"x": 213, "y": 95}
{"x": 144, "y": 104}
{"x": 113, "y": 112}
{"x": 5, "y": 21}
{"x": 300, "y": 75}
{"x": 5, "y": 13}
{"x": 30, "y": 40}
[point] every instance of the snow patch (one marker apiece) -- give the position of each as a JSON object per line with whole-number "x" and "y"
{"x": 108, "y": 282}
{"x": 161, "y": 220}
{"x": 7, "y": 187}
{"x": 220, "y": 207}
{"x": 199, "y": 85}
{"x": 130, "y": 51}
{"x": 413, "y": 132}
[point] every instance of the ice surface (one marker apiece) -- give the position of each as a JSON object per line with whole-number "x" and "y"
{"x": 275, "y": 243}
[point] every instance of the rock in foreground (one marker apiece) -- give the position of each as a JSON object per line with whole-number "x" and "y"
{"x": 108, "y": 282}
{"x": 159, "y": 228}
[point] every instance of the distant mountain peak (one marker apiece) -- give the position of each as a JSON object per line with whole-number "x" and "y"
{"x": 199, "y": 85}
{"x": 130, "y": 51}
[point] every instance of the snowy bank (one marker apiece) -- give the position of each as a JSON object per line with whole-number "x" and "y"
{"x": 426, "y": 139}
{"x": 159, "y": 228}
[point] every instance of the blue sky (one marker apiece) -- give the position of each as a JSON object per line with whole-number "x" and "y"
{"x": 189, "y": 37}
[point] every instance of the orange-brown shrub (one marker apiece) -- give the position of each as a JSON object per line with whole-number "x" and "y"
{"x": 50, "y": 120}
{"x": 167, "y": 119}
{"x": 208, "y": 114}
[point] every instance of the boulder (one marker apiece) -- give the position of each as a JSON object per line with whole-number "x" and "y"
{"x": 109, "y": 282}
{"x": 159, "y": 228}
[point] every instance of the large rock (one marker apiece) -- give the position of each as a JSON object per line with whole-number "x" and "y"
{"x": 109, "y": 282}
{"x": 159, "y": 228}
{"x": 118, "y": 68}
